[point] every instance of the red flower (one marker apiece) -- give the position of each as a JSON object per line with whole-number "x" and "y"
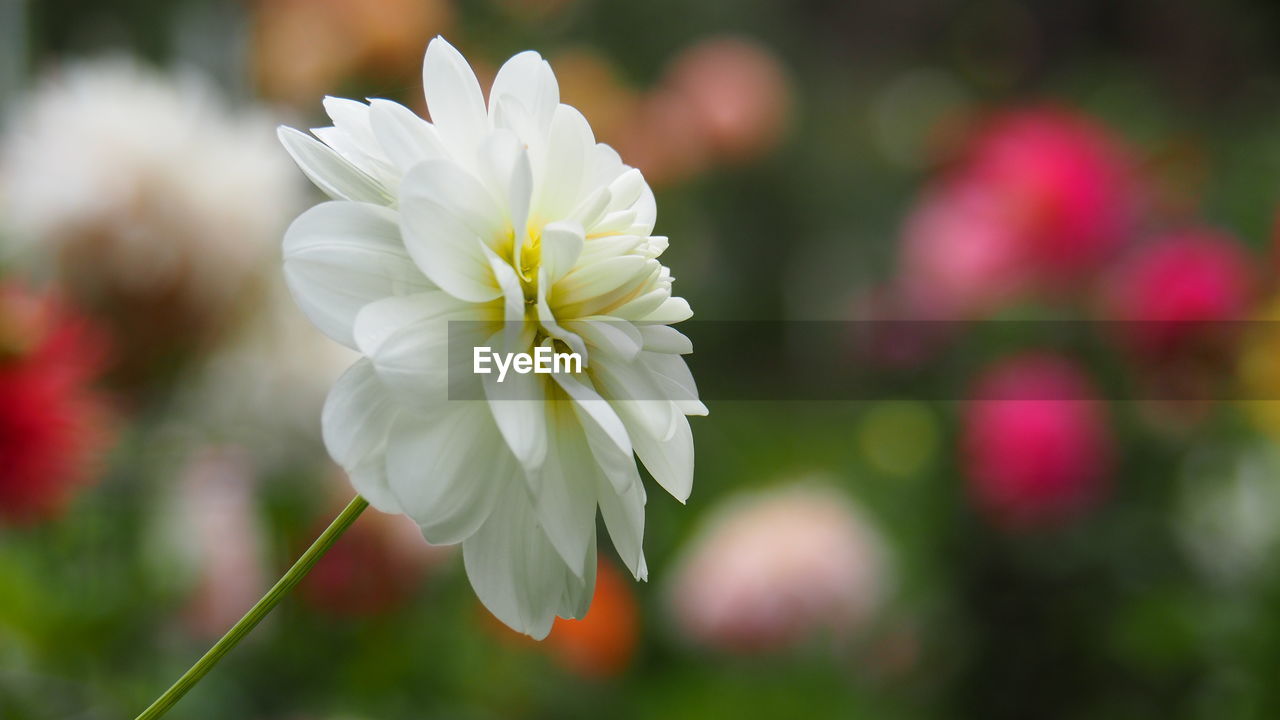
{"x": 54, "y": 426}
{"x": 373, "y": 569}
{"x": 1172, "y": 291}
{"x": 1066, "y": 186}
{"x": 1039, "y": 198}
{"x": 1035, "y": 444}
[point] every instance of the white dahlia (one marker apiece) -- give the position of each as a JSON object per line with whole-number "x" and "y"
{"x": 510, "y": 218}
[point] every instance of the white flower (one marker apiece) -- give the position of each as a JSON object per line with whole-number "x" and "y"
{"x": 151, "y": 175}
{"x": 1225, "y": 516}
{"x": 511, "y": 217}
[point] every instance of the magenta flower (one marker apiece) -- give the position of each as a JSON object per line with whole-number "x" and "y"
{"x": 1035, "y": 446}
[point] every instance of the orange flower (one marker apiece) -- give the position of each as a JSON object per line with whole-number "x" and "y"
{"x": 602, "y": 643}
{"x": 304, "y": 48}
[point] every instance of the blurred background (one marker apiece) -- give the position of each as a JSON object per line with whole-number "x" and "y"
{"x": 1026, "y": 545}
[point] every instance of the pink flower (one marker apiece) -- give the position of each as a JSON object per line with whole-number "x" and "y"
{"x": 738, "y": 93}
{"x": 1170, "y": 292}
{"x": 1040, "y": 198}
{"x": 1035, "y": 446}
{"x": 960, "y": 257}
{"x": 722, "y": 100}
{"x": 54, "y": 426}
{"x": 1066, "y": 186}
{"x": 213, "y": 526}
{"x": 773, "y": 567}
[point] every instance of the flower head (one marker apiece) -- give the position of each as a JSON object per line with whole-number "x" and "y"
{"x": 1040, "y": 198}
{"x": 152, "y": 200}
{"x": 1172, "y": 292}
{"x": 508, "y": 219}
{"x": 1035, "y": 443}
{"x": 773, "y": 567}
{"x": 53, "y": 424}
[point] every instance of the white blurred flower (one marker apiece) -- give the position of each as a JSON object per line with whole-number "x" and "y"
{"x": 150, "y": 181}
{"x": 265, "y": 386}
{"x": 512, "y": 217}
{"x": 772, "y": 567}
{"x": 1226, "y": 519}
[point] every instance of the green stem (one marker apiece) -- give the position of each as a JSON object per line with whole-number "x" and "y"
{"x": 273, "y": 597}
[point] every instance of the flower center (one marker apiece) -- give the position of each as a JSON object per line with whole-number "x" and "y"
{"x": 526, "y": 263}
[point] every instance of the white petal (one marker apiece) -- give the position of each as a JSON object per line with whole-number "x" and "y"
{"x": 646, "y": 209}
{"x": 352, "y": 117}
{"x": 515, "y": 570}
{"x": 561, "y": 245}
{"x": 592, "y": 209}
{"x": 578, "y": 591}
{"x": 591, "y": 405}
{"x": 615, "y": 460}
{"x": 356, "y": 420}
{"x": 636, "y": 397}
{"x": 462, "y": 196}
{"x": 496, "y": 162}
{"x": 608, "y": 301}
{"x": 562, "y": 177}
{"x": 597, "y": 249}
{"x": 510, "y": 115}
{"x": 340, "y": 256}
{"x": 353, "y": 137}
{"x": 674, "y": 310}
{"x": 606, "y": 165}
{"x": 654, "y": 246}
{"x": 620, "y": 221}
{"x": 520, "y": 195}
{"x": 625, "y": 190}
{"x": 618, "y": 338}
{"x": 592, "y": 281}
{"x": 337, "y": 177}
{"x": 566, "y": 497}
{"x": 547, "y": 319}
{"x": 448, "y": 470}
{"x": 447, "y": 251}
{"x": 406, "y": 139}
{"x": 675, "y": 381}
{"x": 351, "y": 151}
{"x": 670, "y": 461}
{"x": 642, "y": 306}
{"x": 517, "y": 406}
{"x": 512, "y": 299}
{"x": 529, "y": 79}
{"x": 665, "y": 339}
{"x": 421, "y": 345}
{"x": 454, "y": 98}
{"x": 624, "y": 517}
